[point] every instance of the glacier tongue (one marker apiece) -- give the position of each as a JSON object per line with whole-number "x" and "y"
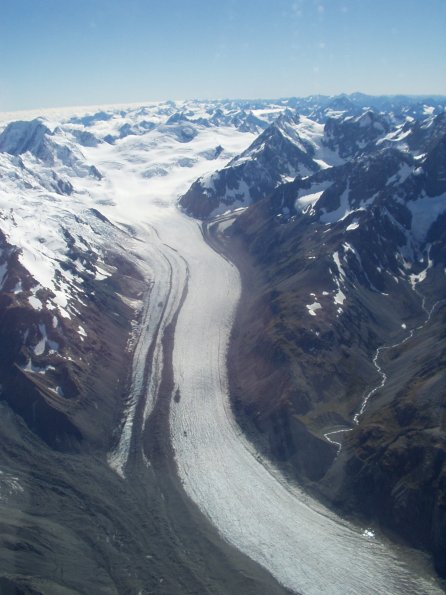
{"x": 304, "y": 545}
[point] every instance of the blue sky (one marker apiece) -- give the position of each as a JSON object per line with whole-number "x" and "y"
{"x": 80, "y": 52}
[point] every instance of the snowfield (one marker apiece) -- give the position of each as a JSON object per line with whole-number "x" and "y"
{"x": 305, "y": 546}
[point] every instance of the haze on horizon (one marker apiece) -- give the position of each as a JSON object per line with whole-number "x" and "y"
{"x": 88, "y": 52}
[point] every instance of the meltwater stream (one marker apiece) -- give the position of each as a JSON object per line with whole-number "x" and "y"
{"x": 304, "y": 545}
{"x": 381, "y": 373}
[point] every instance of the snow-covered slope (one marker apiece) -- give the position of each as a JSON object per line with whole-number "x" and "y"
{"x": 385, "y": 160}
{"x": 289, "y": 147}
{"x": 42, "y": 164}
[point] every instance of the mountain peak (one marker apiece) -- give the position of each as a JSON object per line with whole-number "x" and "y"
{"x": 286, "y": 117}
{"x": 22, "y": 136}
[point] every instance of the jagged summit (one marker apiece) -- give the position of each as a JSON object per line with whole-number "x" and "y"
{"x": 55, "y": 149}
{"x": 22, "y": 136}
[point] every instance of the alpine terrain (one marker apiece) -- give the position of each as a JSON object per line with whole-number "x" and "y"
{"x": 223, "y": 353}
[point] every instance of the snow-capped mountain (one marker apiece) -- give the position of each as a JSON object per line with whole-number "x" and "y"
{"x": 51, "y": 148}
{"x": 296, "y": 148}
{"x": 342, "y": 248}
{"x": 397, "y": 107}
{"x": 288, "y": 148}
{"x": 352, "y": 135}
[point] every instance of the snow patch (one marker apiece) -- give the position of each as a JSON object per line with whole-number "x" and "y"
{"x": 352, "y": 226}
{"x": 339, "y": 297}
{"x": 35, "y": 302}
{"x": 313, "y": 307}
{"x": 305, "y": 202}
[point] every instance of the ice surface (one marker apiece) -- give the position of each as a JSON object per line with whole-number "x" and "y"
{"x": 270, "y": 520}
